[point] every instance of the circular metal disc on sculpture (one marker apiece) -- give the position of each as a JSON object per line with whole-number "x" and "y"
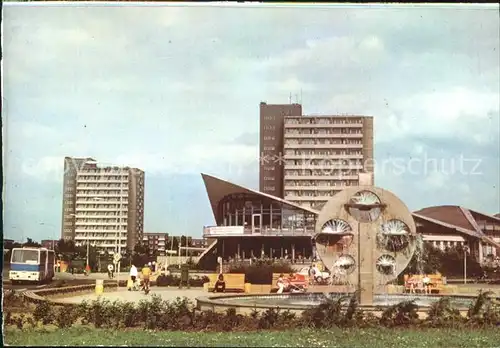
{"x": 386, "y": 264}
{"x": 336, "y": 226}
{"x": 394, "y": 235}
{"x": 344, "y": 265}
{"x": 335, "y": 237}
{"x": 365, "y": 206}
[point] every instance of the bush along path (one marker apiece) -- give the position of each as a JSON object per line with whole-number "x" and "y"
{"x": 180, "y": 315}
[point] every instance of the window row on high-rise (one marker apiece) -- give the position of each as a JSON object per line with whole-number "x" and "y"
{"x": 322, "y": 141}
{"x": 322, "y": 131}
{"x": 319, "y": 172}
{"x": 318, "y": 183}
{"x": 321, "y": 120}
{"x": 322, "y": 152}
{"x": 324, "y": 162}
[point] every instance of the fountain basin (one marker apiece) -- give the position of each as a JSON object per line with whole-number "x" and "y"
{"x": 300, "y": 302}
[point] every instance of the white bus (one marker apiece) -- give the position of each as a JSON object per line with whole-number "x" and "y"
{"x": 32, "y": 265}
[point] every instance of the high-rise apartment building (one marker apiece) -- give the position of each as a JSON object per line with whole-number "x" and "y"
{"x": 325, "y": 154}
{"x": 103, "y": 206}
{"x": 272, "y": 118}
{"x": 307, "y": 159}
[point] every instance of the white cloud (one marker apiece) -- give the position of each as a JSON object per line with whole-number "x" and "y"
{"x": 144, "y": 87}
{"x": 291, "y": 84}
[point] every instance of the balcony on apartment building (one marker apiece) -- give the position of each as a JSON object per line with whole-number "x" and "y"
{"x": 318, "y": 123}
{"x": 322, "y": 146}
{"x": 325, "y": 165}
{"x": 316, "y": 155}
{"x": 325, "y": 176}
{"x": 293, "y": 135}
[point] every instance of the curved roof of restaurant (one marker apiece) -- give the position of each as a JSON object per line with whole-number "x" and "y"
{"x": 217, "y": 189}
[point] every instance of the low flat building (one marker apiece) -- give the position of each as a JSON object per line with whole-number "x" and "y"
{"x": 49, "y": 243}
{"x": 450, "y": 225}
{"x": 156, "y": 242}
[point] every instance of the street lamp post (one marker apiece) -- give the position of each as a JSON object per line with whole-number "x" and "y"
{"x": 119, "y": 234}
{"x": 52, "y": 236}
{"x": 466, "y": 250}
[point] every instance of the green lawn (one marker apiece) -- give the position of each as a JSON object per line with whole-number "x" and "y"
{"x": 372, "y": 338}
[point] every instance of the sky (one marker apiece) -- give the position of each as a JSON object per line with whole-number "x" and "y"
{"x": 175, "y": 91}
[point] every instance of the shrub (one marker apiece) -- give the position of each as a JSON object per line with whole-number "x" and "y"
{"x": 129, "y": 314}
{"x": 96, "y": 312}
{"x": 65, "y": 317}
{"x": 153, "y": 312}
{"x": 441, "y": 313}
{"x": 171, "y": 280}
{"x": 7, "y": 318}
{"x": 286, "y": 320}
{"x": 231, "y": 320}
{"x": 483, "y": 311}
{"x": 326, "y": 315}
{"x": 268, "y": 319}
{"x": 43, "y": 313}
{"x": 261, "y": 272}
{"x": 400, "y": 314}
{"x": 12, "y": 298}
{"x": 19, "y": 321}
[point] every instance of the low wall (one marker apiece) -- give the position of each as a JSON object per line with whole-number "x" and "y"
{"x": 40, "y": 295}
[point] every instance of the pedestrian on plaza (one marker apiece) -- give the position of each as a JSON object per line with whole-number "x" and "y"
{"x": 111, "y": 271}
{"x": 133, "y": 277}
{"x": 146, "y": 273}
{"x": 220, "y": 284}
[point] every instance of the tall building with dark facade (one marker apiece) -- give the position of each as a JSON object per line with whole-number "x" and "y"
{"x": 307, "y": 159}
{"x": 272, "y": 118}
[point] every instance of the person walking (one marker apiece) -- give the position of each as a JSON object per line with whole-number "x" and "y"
{"x": 133, "y": 276}
{"x": 146, "y": 273}
{"x": 111, "y": 271}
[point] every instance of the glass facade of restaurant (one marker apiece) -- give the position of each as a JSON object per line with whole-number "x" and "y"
{"x": 260, "y": 214}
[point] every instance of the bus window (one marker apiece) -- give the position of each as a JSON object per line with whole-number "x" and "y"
{"x": 24, "y": 256}
{"x": 43, "y": 257}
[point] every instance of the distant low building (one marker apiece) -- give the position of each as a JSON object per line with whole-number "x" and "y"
{"x": 157, "y": 242}
{"x": 49, "y": 243}
{"x": 199, "y": 242}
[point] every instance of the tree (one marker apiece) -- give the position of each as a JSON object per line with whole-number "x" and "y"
{"x": 140, "y": 254}
{"x": 31, "y": 243}
{"x": 175, "y": 244}
{"x": 449, "y": 262}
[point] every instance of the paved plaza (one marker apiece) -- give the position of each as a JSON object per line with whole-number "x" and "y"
{"x": 135, "y": 296}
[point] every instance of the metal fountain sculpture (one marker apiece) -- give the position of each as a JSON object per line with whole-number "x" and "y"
{"x": 366, "y": 236}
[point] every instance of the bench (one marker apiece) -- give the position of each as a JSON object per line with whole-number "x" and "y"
{"x": 274, "y": 281}
{"x": 235, "y": 282}
{"x": 436, "y": 285}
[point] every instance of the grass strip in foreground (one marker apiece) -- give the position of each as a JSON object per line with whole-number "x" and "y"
{"x": 359, "y": 338}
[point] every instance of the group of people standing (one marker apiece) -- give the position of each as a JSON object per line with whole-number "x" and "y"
{"x": 134, "y": 282}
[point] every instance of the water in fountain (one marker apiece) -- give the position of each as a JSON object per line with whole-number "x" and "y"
{"x": 386, "y": 266}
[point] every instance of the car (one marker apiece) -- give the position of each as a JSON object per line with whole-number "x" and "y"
{"x": 323, "y": 276}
